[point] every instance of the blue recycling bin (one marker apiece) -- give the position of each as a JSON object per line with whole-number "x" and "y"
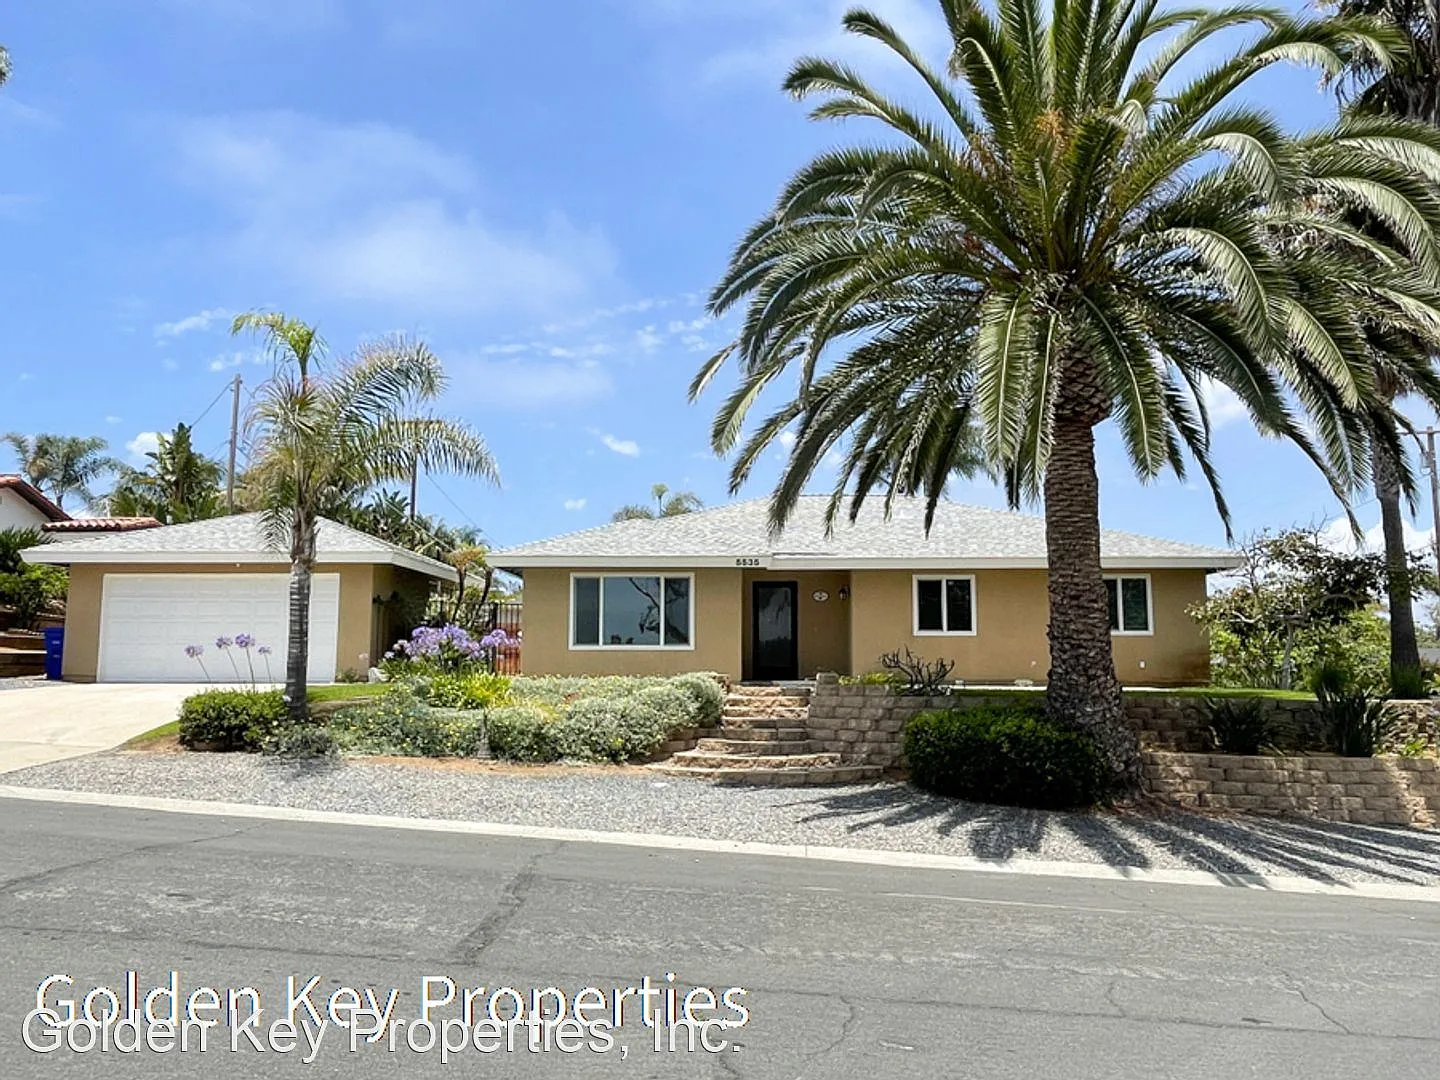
{"x": 54, "y": 651}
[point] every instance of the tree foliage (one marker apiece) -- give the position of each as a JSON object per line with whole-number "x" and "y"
{"x": 1298, "y": 603}
{"x": 63, "y": 465}
{"x": 667, "y": 504}
{"x": 177, "y": 485}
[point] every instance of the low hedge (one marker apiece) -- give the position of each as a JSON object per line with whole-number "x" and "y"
{"x": 403, "y": 726}
{"x": 231, "y": 719}
{"x": 625, "y": 720}
{"x": 1007, "y": 754}
{"x": 460, "y": 690}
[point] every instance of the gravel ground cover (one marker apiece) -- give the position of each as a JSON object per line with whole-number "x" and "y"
{"x": 20, "y": 682}
{"x": 884, "y": 816}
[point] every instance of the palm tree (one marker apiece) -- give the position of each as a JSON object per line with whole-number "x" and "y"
{"x": 318, "y": 434}
{"x": 178, "y": 485}
{"x": 1409, "y": 88}
{"x": 5, "y": 66}
{"x": 667, "y": 504}
{"x": 61, "y": 465}
{"x": 1074, "y": 236}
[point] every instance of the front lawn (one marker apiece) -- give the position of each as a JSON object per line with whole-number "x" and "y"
{"x": 344, "y": 691}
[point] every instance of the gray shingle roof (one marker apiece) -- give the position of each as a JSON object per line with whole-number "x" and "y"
{"x": 961, "y": 536}
{"x": 239, "y": 538}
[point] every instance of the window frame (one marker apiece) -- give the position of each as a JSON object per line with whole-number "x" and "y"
{"x": 916, "y": 579}
{"x": 1120, "y": 605}
{"x": 603, "y": 646}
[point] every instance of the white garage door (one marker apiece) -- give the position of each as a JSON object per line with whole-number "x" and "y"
{"x": 146, "y": 620}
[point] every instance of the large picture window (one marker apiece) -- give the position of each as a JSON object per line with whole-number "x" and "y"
{"x": 1129, "y": 600}
{"x": 944, "y": 605}
{"x": 622, "y": 611}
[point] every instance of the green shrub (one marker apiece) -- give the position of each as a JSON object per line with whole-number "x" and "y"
{"x": 401, "y": 725}
{"x": 302, "y": 741}
{"x": 891, "y": 679}
{"x": 1354, "y": 723}
{"x": 522, "y": 733}
{"x": 1240, "y": 725}
{"x": 1007, "y": 754}
{"x": 477, "y": 690}
{"x": 12, "y": 542}
{"x": 707, "y": 697}
{"x": 33, "y": 590}
{"x": 559, "y": 690}
{"x": 231, "y": 719}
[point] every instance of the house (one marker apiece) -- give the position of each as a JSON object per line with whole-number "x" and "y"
{"x": 138, "y": 598}
{"x": 715, "y": 591}
{"x": 83, "y": 525}
{"x": 23, "y": 506}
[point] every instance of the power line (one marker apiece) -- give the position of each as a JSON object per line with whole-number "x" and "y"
{"x": 218, "y": 396}
{"x": 459, "y": 509}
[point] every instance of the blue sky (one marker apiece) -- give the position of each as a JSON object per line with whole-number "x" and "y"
{"x": 544, "y": 191}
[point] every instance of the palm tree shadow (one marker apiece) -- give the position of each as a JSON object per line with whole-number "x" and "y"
{"x": 1135, "y": 838}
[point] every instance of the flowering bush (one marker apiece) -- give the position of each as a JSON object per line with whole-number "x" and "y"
{"x": 437, "y": 648}
{"x": 245, "y": 643}
{"x": 399, "y": 724}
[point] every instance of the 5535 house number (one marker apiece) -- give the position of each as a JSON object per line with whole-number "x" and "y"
{"x": 747, "y": 562}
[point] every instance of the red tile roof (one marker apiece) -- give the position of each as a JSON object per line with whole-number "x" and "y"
{"x": 100, "y": 524}
{"x": 31, "y": 494}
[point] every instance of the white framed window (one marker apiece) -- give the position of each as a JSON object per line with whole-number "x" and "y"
{"x": 1132, "y": 610}
{"x": 944, "y": 605}
{"x": 632, "y": 611}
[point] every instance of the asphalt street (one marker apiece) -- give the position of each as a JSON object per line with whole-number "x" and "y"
{"x": 847, "y": 970}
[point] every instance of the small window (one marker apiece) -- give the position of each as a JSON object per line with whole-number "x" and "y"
{"x": 622, "y": 611}
{"x": 1129, "y": 602}
{"x": 945, "y": 605}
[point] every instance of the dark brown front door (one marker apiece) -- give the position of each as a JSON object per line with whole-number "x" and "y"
{"x": 773, "y": 648}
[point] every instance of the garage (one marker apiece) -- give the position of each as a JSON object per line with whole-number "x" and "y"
{"x": 147, "y": 620}
{"x": 137, "y": 599}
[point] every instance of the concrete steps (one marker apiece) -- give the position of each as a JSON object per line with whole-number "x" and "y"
{"x": 763, "y": 741}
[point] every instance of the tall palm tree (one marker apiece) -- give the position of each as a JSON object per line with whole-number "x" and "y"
{"x": 5, "y": 66}
{"x": 61, "y": 465}
{"x": 1070, "y": 235}
{"x": 178, "y": 485}
{"x": 318, "y": 432}
{"x": 667, "y": 504}
{"x": 1409, "y": 88}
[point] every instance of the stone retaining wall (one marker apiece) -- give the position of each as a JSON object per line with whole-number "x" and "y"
{"x": 864, "y": 722}
{"x": 1366, "y": 791}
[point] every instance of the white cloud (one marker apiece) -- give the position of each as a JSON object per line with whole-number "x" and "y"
{"x": 1222, "y": 403}
{"x": 169, "y": 364}
{"x": 1337, "y": 535}
{"x": 236, "y": 358}
{"x": 575, "y": 504}
{"x": 147, "y": 442}
{"x": 113, "y": 419}
{"x": 201, "y": 320}
{"x": 649, "y": 339}
{"x": 786, "y": 439}
{"x": 623, "y": 447}
{"x": 370, "y": 213}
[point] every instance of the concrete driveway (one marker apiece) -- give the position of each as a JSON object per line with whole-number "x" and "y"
{"x": 65, "y": 720}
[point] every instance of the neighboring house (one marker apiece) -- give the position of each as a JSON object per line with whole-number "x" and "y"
{"x": 138, "y": 598}
{"x": 714, "y": 591}
{"x": 83, "y": 525}
{"x": 22, "y": 506}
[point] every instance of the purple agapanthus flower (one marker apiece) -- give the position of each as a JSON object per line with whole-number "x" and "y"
{"x": 497, "y": 639}
{"x": 264, "y": 650}
{"x": 244, "y": 641}
{"x": 223, "y": 642}
{"x": 194, "y": 651}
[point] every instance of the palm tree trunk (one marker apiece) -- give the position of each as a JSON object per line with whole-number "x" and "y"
{"x": 1404, "y": 649}
{"x": 297, "y": 656}
{"x": 1083, "y": 689}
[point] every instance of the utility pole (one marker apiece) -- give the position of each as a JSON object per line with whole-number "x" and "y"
{"x": 234, "y": 439}
{"x": 414, "y": 483}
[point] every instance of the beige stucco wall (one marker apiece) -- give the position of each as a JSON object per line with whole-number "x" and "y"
{"x": 82, "y": 609}
{"x": 1011, "y": 614}
{"x": 545, "y": 623}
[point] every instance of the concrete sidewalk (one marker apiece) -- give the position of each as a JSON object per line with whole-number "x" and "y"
{"x": 39, "y": 724}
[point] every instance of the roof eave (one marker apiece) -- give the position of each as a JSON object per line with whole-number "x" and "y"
{"x": 1209, "y": 563}
{"x": 57, "y": 555}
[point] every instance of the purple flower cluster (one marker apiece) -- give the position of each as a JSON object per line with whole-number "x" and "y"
{"x": 448, "y": 646}
{"x": 498, "y": 639}
{"x": 244, "y": 642}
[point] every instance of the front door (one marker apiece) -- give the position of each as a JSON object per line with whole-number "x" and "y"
{"x": 773, "y": 652}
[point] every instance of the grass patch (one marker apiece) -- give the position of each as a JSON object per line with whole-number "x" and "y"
{"x": 164, "y": 731}
{"x": 1159, "y": 691}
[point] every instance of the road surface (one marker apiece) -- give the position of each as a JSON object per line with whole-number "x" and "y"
{"x": 848, "y": 971}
